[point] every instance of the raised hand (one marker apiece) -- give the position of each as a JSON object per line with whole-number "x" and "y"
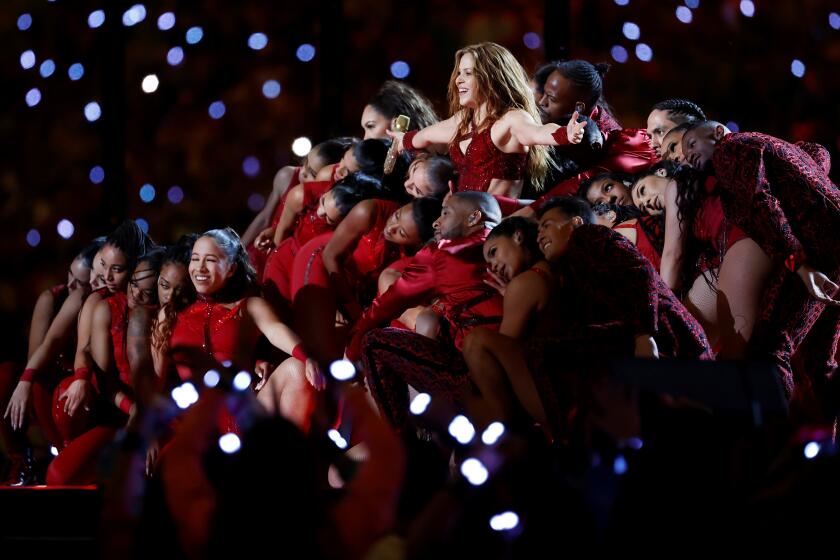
{"x": 574, "y": 129}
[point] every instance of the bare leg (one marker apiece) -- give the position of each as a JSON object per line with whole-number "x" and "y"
{"x": 743, "y": 275}
{"x": 289, "y": 394}
{"x": 701, "y": 302}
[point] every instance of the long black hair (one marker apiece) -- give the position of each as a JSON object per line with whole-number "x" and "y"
{"x": 508, "y": 228}
{"x": 425, "y": 211}
{"x": 132, "y": 241}
{"x": 398, "y": 98}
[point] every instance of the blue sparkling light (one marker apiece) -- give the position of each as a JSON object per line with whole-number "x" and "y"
{"x": 134, "y": 15}
{"x": 834, "y": 20}
{"x": 684, "y": 14}
{"x": 256, "y": 202}
{"x": 93, "y": 111}
{"x": 142, "y": 224}
{"x": 166, "y": 21}
{"x": 175, "y": 56}
{"x": 747, "y": 8}
{"x": 47, "y": 68}
{"x": 797, "y": 68}
{"x": 24, "y": 22}
{"x": 644, "y": 52}
{"x": 27, "y": 59}
{"x": 216, "y": 110}
{"x": 33, "y": 237}
{"x": 258, "y": 41}
{"x": 619, "y": 54}
{"x": 400, "y": 69}
{"x": 532, "y": 40}
{"x": 33, "y": 97}
{"x": 631, "y": 30}
{"x": 96, "y": 19}
{"x": 147, "y": 193}
{"x": 733, "y": 126}
{"x": 251, "y": 166}
{"x": 175, "y": 194}
{"x": 194, "y": 35}
{"x": 620, "y": 465}
{"x": 693, "y": 4}
{"x": 622, "y": 2}
{"x": 76, "y": 71}
{"x": 271, "y": 89}
{"x": 305, "y": 52}
{"x": 97, "y": 174}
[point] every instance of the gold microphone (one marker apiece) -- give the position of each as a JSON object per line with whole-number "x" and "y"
{"x": 400, "y": 125}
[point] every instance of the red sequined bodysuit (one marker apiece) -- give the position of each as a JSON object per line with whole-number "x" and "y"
{"x": 483, "y": 161}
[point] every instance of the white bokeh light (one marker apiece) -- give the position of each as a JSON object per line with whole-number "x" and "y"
{"x": 230, "y": 443}
{"x": 342, "y": 370}
{"x": 301, "y": 146}
{"x": 462, "y": 429}
{"x": 492, "y": 433}
{"x": 504, "y": 521}
{"x": 212, "y": 378}
{"x": 242, "y": 380}
{"x": 474, "y": 471}
{"x": 150, "y": 83}
{"x": 65, "y": 228}
{"x": 420, "y": 403}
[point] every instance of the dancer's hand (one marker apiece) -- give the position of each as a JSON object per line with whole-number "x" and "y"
{"x": 314, "y": 375}
{"x": 497, "y": 282}
{"x": 264, "y": 241}
{"x": 79, "y": 393}
{"x": 818, "y": 285}
{"x": 263, "y": 371}
{"x": 574, "y": 129}
{"x": 16, "y": 410}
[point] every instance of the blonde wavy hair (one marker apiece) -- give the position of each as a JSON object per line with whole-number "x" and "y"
{"x": 503, "y": 86}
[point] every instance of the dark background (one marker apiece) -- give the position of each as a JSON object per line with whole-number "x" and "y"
{"x": 737, "y": 68}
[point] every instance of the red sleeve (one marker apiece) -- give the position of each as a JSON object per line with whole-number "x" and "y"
{"x": 751, "y": 204}
{"x": 569, "y": 186}
{"x": 507, "y": 204}
{"x": 415, "y": 286}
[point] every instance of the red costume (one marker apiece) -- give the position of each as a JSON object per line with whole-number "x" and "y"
{"x": 715, "y": 232}
{"x": 784, "y": 200}
{"x": 643, "y": 243}
{"x": 258, "y": 258}
{"x": 482, "y": 162}
{"x": 279, "y": 264}
{"x": 454, "y": 273}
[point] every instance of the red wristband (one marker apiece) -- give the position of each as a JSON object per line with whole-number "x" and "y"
{"x": 561, "y": 136}
{"x": 408, "y": 140}
{"x": 125, "y": 404}
{"x": 299, "y": 353}
{"x": 82, "y": 373}
{"x": 28, "y": 374}
{"x": 795, "y": 260}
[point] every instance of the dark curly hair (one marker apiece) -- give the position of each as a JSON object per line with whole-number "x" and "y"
{"x": 508, "y": 228}
{"x": 398, "y": 98}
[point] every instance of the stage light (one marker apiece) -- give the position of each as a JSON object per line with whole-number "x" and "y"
{"x": 492, "y": 433}
{"x": 797, "y": 68}
{"x": 97, "y": 174}
{"x": 175, "y": 194}
{"x": 142, "y": 224}
{"x": 400, "y": 69}
{"x": 33, "y": 237}
{"x": 420, "y": 403}
{"x": 635, "y": 443}
{"x": 305, "y": 52}
{"x": 76, "y": 71}
{"x": 733, "y": 126}
{"x": 644, "y": 52}
{"x": 27, "y": 59}
{"x": 166, "y": 21}
{"x": 194, "y": 35}
{"x": 271, "y": 88}
{"x": 150, "y": 83}
{"x": 54, "y": 451}
{"x": 256, "y": 202}
{"x": 337, "y": 438}
{"x": 134, "y": 15}
{"x": 834, "y": 20}
{"x": 175, "y": 56}
{"x": 216, "y": 110}
{"x": 147, "y": 193}
{"x": 242, "y": 380}
{"x": 693, "y": 4}
{"x": 24, "y": 22}
{"x": 342, "y": 370}
{"x": 684, "y": 14}
{"x": 462, "y": 429}
{"x": 532, "y": 40}
{"x": 230, "y": 443}
{"x": 301, "y": 146}
{"x": 257, "y": 41}
{"x": 622, "y": 2}
{"x": 96, "y": 19}
{"x": 185, "y": 395}
{"x": 474, "y": 471}
{"x": 251, "y": 166}
{"x": 65, "y": 228}
{"x": 504, "y": 521}
{"x": 212, "y": 378}
{"x": 747, "y": 8}
{"x": 33, "y": 97}
{"x": 812, "y": 449}
{"x": 631, "y": 30}
{"x": 620, "y": 465}
{"x": 619, "y": 54}
{"x": 47, "y": 68}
